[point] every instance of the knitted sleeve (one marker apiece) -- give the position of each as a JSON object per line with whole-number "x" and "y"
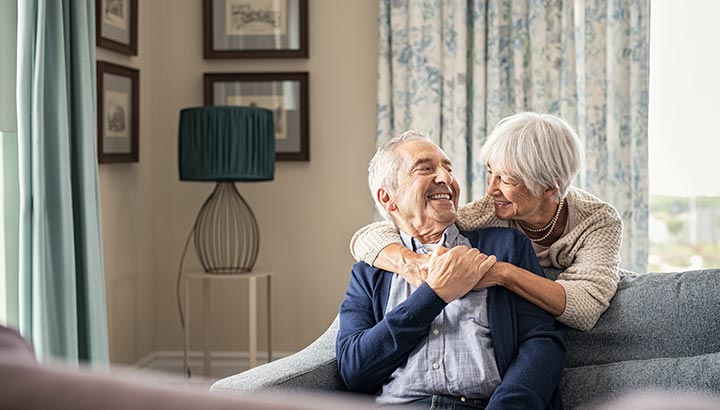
{"x": 591, "y": 252}
{"x": 369, "y": 240}
{"x": 478, "y": 214}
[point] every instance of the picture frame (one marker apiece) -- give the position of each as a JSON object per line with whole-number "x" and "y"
{"x": 116, "y": 25}
{"x": 118, "y": 119}
{"x": 255, "y": 29}
{"x": 286, "y": 94}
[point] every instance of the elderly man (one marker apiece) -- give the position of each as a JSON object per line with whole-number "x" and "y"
{"x": 444, "y": 344}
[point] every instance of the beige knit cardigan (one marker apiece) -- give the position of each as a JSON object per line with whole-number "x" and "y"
{"x": 589, "y": 253}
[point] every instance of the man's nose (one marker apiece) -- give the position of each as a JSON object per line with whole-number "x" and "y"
{"x": 443, "y": 176}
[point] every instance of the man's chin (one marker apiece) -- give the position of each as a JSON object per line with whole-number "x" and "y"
{"x": 446, "y": 219}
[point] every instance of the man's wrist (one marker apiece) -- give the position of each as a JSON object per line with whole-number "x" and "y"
{"x": 428, "y": 301}
{"x": 437, "y": 290}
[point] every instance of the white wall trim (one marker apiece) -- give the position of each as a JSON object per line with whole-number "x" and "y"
{"x": 223, "y": 363}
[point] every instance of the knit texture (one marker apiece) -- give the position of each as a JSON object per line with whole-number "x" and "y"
{"x": 589, "y": 253}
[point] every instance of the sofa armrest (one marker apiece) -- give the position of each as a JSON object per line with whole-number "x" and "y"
{"x": 313, "y": 368}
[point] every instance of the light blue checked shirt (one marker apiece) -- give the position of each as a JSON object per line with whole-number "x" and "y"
{"x": 457, "y": 357}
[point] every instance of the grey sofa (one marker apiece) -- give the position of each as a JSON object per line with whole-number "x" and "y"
{"x": 662, "y": 331}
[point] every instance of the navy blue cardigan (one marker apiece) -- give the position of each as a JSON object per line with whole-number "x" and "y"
{"x": 528, "y": 342}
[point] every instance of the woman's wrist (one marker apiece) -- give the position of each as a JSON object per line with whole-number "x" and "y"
{"x": 499, "y": 274}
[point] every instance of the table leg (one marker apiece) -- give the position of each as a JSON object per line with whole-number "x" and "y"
{"x": 269, "y": 320}
{"x": 186, "y": 367}
{"x": 252, "y": 291}
{"x": 206, "y": 319}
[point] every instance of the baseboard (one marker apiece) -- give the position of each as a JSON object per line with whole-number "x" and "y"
{"x": 223, "y": 364}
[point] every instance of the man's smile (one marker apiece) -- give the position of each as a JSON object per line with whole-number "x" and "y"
{"x": 446, "y": 196}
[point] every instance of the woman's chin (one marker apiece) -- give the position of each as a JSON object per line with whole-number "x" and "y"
{"x": 503, "y": 214}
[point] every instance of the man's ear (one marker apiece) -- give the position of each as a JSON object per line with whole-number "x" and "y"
{"x": 384, "y": 199}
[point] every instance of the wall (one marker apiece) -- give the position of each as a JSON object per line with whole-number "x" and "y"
{"x": 126, "y": 205}
{"x": 306, "y": 215}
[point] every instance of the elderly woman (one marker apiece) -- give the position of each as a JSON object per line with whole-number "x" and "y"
{"x": 532, "y": 159}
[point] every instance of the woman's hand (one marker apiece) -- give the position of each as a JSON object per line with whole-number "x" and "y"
{"x": 415, "y": 269}
{"x": 406, "y": 263}
{"x": 494, "y": 275}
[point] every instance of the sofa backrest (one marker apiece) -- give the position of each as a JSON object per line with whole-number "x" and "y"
{"x": 661, "y": 332}
{"x": 656, "y": 315}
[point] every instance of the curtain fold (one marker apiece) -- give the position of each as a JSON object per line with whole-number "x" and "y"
{"x": 61, "y": 291}
{"x": 453, "y": 69}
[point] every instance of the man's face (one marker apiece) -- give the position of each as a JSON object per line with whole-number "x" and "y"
{"x": 426, "y": 197}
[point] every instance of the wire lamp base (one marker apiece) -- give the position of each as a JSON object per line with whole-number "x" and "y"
{"x": 226, "y": 236}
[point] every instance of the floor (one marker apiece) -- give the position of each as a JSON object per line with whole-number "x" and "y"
{"x": 167, "y": 368}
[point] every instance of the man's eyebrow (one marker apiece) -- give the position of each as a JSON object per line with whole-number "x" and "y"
{"x": 421, "y": 161}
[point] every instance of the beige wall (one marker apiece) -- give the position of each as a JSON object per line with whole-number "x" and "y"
{"x": 126, "y": 202}
{"x": 306, "y": 215}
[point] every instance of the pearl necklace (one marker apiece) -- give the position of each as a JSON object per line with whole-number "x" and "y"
{"x": 549, "y": 227}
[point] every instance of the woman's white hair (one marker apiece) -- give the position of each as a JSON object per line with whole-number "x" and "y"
{"x": 541, "y": 150}
{"x": 385, "y": 165}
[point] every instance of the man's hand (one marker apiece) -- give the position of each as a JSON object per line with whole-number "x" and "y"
{"x": 454, "y": 272}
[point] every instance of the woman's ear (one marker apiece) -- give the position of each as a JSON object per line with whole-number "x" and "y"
{"x": 384, "y": 199}
{"x": 549, "y": 193}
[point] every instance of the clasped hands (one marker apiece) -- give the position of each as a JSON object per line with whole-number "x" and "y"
{"x": 453, "y": 272}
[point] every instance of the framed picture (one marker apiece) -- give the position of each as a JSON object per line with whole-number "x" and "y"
{"x": 117, "y": 110}
{"x": 285, "y": 94}
{"x": 255, "y": 28}
{"x": 116, "y": 25}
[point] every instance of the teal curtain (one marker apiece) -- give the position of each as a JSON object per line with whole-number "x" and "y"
{"x": 61, "y": 290}
{"x": 453, "y": 69}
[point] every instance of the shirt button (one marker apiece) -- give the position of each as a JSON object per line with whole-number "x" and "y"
{"x": 436, "y": 366}
{"x": 436, "y": 331}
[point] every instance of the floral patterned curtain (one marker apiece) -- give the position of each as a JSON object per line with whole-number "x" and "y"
{"x": 453, "y": 69}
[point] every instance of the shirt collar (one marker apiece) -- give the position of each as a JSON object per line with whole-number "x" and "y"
{"x": 449, "y": 239}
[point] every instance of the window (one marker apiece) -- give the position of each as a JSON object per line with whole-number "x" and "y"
{"x": 684, "y": 137}
{"x": 8, "y": 146}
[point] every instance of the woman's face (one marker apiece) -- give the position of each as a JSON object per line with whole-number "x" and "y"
{"x": 512, "y": 198}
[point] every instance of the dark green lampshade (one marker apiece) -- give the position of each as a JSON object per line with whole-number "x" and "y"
{"x": 226, "y": 144}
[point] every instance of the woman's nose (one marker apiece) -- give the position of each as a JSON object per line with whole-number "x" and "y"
{"x": 492, "y": 183}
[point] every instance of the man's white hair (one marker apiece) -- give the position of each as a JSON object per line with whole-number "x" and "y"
{"x": 385, "y": 165}
{"x": 541, "y": 150}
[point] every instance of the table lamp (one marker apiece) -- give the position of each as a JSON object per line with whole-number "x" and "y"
{"x": 226, "y": 144}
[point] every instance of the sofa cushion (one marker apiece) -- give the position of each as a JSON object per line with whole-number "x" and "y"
{"x": 580, "y": 386}
{"x": 14, "y": 347}
{"x": 655, "y": 315}
{"x": 313, "y": 368}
